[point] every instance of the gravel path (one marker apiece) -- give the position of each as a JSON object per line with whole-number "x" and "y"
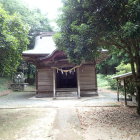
{"x": 66, "y": 125}
{"x": 28, "y": 99}
{"x": 68, "y": 118}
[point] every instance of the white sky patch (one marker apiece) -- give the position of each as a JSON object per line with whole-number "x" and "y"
{"x": 49, "y": 7}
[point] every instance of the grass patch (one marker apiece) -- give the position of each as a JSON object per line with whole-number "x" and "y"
{"x": 102, "y": 82}
{"x": 4, "y": 83}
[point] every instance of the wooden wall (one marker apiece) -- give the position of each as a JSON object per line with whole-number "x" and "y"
{"x": 87, "y": 78}
{"x": 45, "y": 80}
{"x": 87, "y": 74}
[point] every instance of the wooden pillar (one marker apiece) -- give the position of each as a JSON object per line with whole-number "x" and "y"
{"x": 125, "y": 98}
{"x": 118, "y": 90}
{"x": 54, "y": 85}
{"x": 36, "y": 81}
{"x": 96, "y": 83}
{"x": 78, "y": 84}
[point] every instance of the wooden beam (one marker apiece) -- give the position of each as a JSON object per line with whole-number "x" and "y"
{"x": 36, "y": 81}
{"x": 118, "y": 90}
{"x": 54, "y": 84}
{"x": 125, "y": 98}
{"x": 96, "y": 83}
{"x": 78, "y": 83}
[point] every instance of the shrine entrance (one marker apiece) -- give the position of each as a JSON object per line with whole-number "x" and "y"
{"x": 66, "y": 80}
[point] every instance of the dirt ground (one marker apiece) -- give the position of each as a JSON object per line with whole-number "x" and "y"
{"x": 24, "y": 117}
{"x": 26, "y": 124}
{"x": 109, "y": 123}
{"x": 77, "y": 123}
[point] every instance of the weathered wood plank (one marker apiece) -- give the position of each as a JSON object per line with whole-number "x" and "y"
{"x": 87, "y": 77}
{"x": 78, "y": 83}
{"x": 45, "y": 83}
{"x": 45, "y": 79}
{"x": 45, "y": 87}
{"x": 54, "y": 84}
{"x": 48, "y": 69}
{"x": 88, "y": 86}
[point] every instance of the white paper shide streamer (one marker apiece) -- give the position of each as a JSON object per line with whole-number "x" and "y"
{"x": 66, "y": 71}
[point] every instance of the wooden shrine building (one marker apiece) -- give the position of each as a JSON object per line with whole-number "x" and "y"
{"x": 55, "y": 73}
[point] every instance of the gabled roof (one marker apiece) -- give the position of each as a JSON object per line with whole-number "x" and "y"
{"x": 44, "y": 44}
{"x": 45, "y": 50}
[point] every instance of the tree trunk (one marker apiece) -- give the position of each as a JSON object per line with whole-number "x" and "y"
{"x": 138, "y": 99}
{"x": 138, "y": 83}
{"x": 136, "y": 74}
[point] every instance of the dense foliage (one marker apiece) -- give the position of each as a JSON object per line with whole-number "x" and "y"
{"x": 108, "y": 66}
{"x": 36, "y": 21}
{"x": 121, "y": 69}
{"x": 130, "y": 85}
{"x": 19, "y": 25}
{"x": 87, "y": 26}
{"x": 13, "y": 40}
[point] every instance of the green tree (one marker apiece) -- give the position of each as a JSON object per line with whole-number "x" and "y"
{"x": 36, "y": 21}
{"x": 87, "y": 26}
{"x": 109, "y": 65}
{"x": 76, "y": 36}
{"x": 13, "y": 40}
{"x": 32, "y": 20}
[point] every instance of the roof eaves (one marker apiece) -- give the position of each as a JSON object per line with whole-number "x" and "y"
{"x": 123, "y": 75}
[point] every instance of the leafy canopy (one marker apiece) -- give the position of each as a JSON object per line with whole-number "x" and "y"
{"x": 87, "y": 26}
{"x": 13, "y": 40}
{"x": 19, "y": 25}
{"x": 34, "y": 18}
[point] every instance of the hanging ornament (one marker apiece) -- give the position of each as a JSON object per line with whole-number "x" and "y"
{"x": 61, "y": 71}
{"x": 66, "y": 73}
{"x": 70, "y": 70}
